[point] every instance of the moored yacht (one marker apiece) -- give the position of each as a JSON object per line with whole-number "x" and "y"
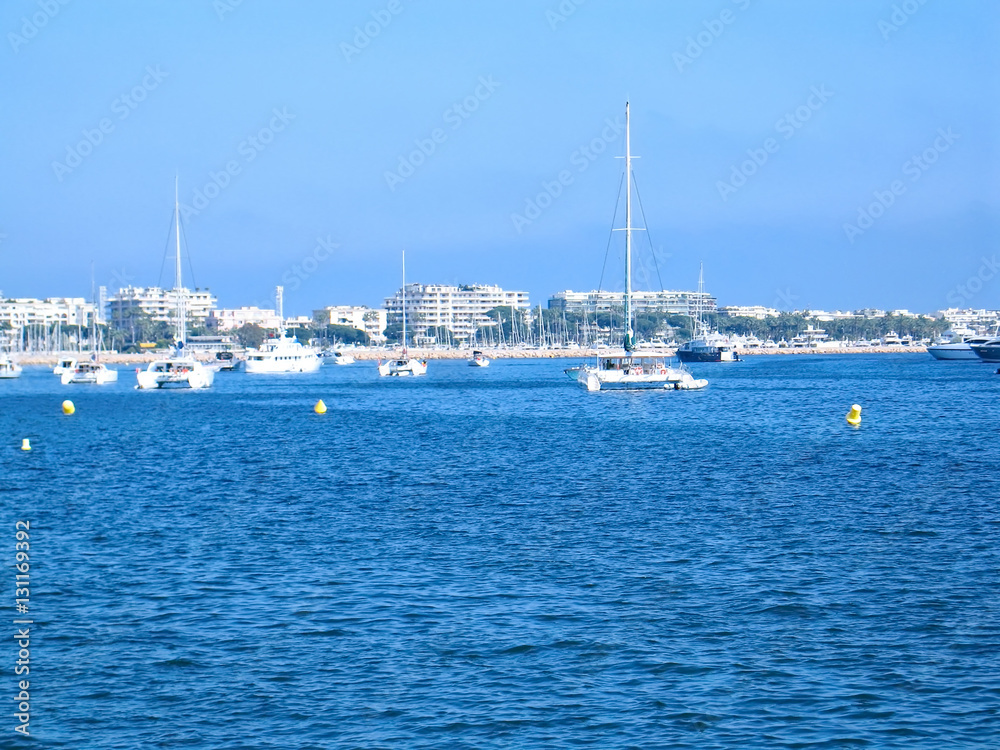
{"x": 632, "y": 370}
{"x": 478, "y": 359}
{"x": 179, "y": 369}
{"x": 89, "y": 373}
{"x": 282, "y": 354}
{"x": 9, "y": 368}
{"x": 706, "y": 346}
{"x": 988, "y": 351}
{"x": 960, "y": 349}
{"x": 405, "y": 366}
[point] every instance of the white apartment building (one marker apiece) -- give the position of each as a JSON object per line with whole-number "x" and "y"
{"x": 24, "y": 312}
{"x": 672, "y": 302}
{"x": 971, "y": 321}
{"x": 227, "y": 319}
{"x": 365, "y": 319}
{"x": 460, "y": 309}
{"x": 758, "y": 312}
{"x": 159, "y": 304}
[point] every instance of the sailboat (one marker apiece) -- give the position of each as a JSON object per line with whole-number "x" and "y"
{"x": 9, "y": 368}
{"x": 93, "y": 372}
{"x": 630, "y": 370}
{"x": 707, "y": 345}
{"x": 405, "y": 365}
{"x": 179, "y": 369}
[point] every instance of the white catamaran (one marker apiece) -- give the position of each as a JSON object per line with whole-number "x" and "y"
{"x": 405, "y": 365}
{"x": 630, "y": 370}
{"x": 179, "y": 369}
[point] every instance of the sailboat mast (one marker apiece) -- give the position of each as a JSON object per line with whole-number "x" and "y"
{"x": 629, "y": 330}
{"x": 181, "y": 311}
{"x": 404, "y": 304}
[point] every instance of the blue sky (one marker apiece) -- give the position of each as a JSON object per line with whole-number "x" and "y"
{"x": 825, "y": 154}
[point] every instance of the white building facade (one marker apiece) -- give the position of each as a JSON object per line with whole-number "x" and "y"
{"x": 25, "y": 312}
{"x": 670, "y": 302}
{"x": 159, "y": 304}
{"x": 371, "y": 321}
{"x": 226, "y": 319}
{"x": 460, "y": 309}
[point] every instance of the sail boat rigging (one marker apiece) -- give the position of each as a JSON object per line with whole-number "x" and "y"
{"x": 179, "y": 369}
{"x": 629, "y": 371}
{"x": 406, "y": 365}
{"x": 94, "y": 372}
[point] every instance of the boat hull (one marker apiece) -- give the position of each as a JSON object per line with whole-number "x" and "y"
{"x": 711, "y": 354}
{"x": 101, "y": 376}
{"x": 988, "y": 352}
{"x": 279, "y": 367}
{"x": 172, "y": 374}
{"x": 952, "y": 352}
{"x": 402, "y": 368}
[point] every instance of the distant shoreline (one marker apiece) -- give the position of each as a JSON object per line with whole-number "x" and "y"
{"x": 376, "y": 354}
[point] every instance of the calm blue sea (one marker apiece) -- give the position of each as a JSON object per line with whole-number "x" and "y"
{"x": 498, "y": 559}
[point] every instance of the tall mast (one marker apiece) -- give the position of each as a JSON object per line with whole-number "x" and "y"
{"x": 629, "y": 330}
{"x": 699, "y": 323}
{"x": 181, "y": 312}
{"x": 404, "y": 304}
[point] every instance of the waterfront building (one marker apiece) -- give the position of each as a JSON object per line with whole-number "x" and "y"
{"x": 227, "y": 319}
{"x": 159, "y": 304}
{"x": 758, "y": 312}
{"x": 363, "y": 318}
{"x": 971, "y": 321}
{"x": 460, "y": 309}
{"x": 24, "y": 312}
{"x": 671, "y": 302}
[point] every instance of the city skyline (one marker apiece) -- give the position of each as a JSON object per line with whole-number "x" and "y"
{"x": 829, "y": 156}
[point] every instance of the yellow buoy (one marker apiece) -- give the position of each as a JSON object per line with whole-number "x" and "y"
{"x": 26, "y": 444}
{"x": 320, "y": 407}
{"x": 854, "y": 415}
{"x": 68, "y": 407}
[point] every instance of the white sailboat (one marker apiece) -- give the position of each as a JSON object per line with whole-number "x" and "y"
{"x": 9, "y": 368}
{"x": 478, "y": 359}
{"x": 404, "y": 366}
{"x": 93, "y": 372}
{"x": 179, "y": 369}
{"x": 630, "y": 370}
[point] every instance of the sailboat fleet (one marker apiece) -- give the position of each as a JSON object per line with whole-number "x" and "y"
{"x": 633, "y": 367}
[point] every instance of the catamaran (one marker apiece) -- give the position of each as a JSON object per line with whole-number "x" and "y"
{"x": 179, "y": 369}
{"x": 93, "y": 372}
{"x": 630, "y": 370}
{"x": 405, "y": 365}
